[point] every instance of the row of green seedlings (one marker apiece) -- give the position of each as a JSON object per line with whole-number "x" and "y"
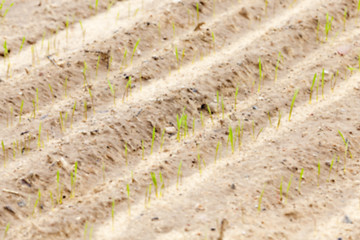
{"x": 158, "y": 186}
{"x": 335, "y": 159}
{"x": 56, "y": 197}
{"x": 4, "y": 10}
{"x": 22, "y": 147}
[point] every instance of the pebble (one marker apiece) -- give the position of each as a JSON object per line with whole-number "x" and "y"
{"x": 170, "y": 130}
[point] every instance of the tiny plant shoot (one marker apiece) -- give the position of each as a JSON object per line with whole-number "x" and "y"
{"x": 292, "y": 102}
{"x": 288, "y": 188}
{"x": 236, "y": 93}
{"x": 331, "y": 167}
{"x": 112, "y": 91}
{"x": 260, "y": 198}
{"x": 260, "y": 74}
{"x": 134, "y": 51}
{"x": 312, "y": 87}
{"x": 300, "y": 178}
{"x": 153, "y": 177}
{"x": 128, "y": 197}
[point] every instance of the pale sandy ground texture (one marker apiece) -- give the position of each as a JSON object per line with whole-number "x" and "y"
{"x": 98, "y": 102}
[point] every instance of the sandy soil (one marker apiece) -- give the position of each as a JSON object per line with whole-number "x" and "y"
{"x": 276, "y": 178}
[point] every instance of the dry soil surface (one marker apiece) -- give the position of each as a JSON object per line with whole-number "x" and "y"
{"x": 98, "y": 102}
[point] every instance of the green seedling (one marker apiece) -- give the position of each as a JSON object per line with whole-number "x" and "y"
{"x": 162, "y": 139}
{"x": 96, "y": 5}
{"x": 152, "y": 141}
{"x": 319, "y": 168}
{"x": 269, "y": 117}
{"x": 72, "y": 114}
{"x": 84, "y": 73}
{"x": 231, "y": 140}
{"x": 199, "y": 162}
{"x": 85, "y": 110}
{"x": 260, "y": 198}
{"x": 260, "y": 74}
{"x": 179, "y": 123}
{"x": 112, "y": 91}
{"x": 39, "y": 137}
{"x": 127, "y": 91}
{"x": 300, "y": 178}
{"x": 42, "y": 40}
{"x": 4, "y": 152}
{"x": 67, "y": 29}
{"x": 134, "y": 51}
{"x": 6, "y": 10}
{"x": 288, "y": 188}
{"x": 253, "y": 132}
{"x": 217, "y": 150}
{"x": 281, "y": 189}
{"x": 266, "y": 5}
{"x": 346, "y": 144}
{"x": 312, "y": 87}
{"x": 14, "y": 150}
{"x": 345, "y": 16}
{"x": 142, "y": 150}
{"x": 65, "y": 86}
{"x": 85, "y": 230}
{"x": 177, "y": 57}
{"x": 33, "y": 59}
{"x": 6, "y": 230}
{"x": 153, "y": 177}
{"x": 113, "y": 214}
{"x": 328, "y": 25}
{"x": 236, "y": 93}
{"x": 73, "y": 180}
{"x": 21, "y": 109}
{"x": 110, "y": 60}
{"x": 331, "y": 167}
{"x": 83, "y": 30}
{"x": 36, "y": 202}
{"x": 322, "y": 83}
{"x": 240, "y": 133}
{"x": 217, "y": 101}
{"x": 51, "y": 93}
{"x": 213, "y": 40}
{"x": 22, "y": 44}
{"x": 92, "y": 100}
{"x": 173, "y": 26}
{"x": 292, "y": 102}
{"x": 179, "y": 174}
{"x": 6, "y": 51}
{"x": 126, "y": 154}
{"x": 128, "y": 197}
{"x": 197, "y": 12}
{"x": 58, "y": 187}
{"x": 280, "y": 59}
{"x": 209, "y": 110}
{"x": 162, "y": 184}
